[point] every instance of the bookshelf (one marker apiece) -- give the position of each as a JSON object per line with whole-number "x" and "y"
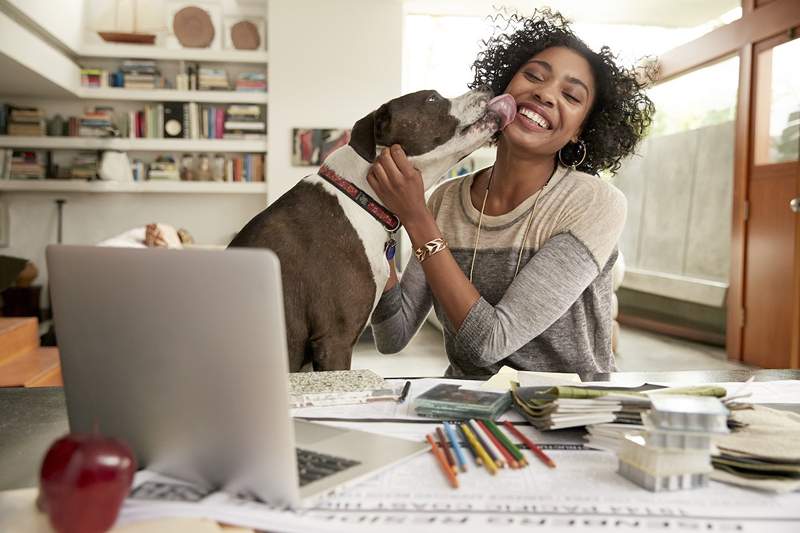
{"x": 135, "y": 145}
{"x": 151, "y": 186}
{"x": 121, "y": 51}
{"x": 172, "y": 95}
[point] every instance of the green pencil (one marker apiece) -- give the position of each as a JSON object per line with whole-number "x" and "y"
{"x": 506, "y": 442}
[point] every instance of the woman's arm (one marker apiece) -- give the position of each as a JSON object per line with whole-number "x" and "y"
{"x": 401, "y": 309}
{"x": 402, "y": 192}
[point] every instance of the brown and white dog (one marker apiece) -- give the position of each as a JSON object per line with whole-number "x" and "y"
{"x": 330, "y": 231}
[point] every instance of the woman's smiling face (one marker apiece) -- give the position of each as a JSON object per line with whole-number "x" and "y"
{"x": 554, "y": 92}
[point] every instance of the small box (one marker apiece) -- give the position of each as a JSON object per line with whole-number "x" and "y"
{"x": 688, "y": 413}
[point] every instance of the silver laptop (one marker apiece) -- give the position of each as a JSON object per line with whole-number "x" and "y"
{"x": 182, "y": 354}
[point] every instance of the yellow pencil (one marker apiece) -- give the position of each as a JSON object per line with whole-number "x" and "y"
{"x": 487, "y": 461}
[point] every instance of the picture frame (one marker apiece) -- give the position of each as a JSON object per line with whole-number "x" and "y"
{"x": 214, "y": 10}
{"x": 310, "y": 146}
{"x": 232, "y": 20}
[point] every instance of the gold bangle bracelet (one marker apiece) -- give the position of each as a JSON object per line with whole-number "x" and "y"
{"x": 430, "y": 248}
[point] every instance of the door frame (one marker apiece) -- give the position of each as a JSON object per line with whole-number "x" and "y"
{"x": 761, "y": 20}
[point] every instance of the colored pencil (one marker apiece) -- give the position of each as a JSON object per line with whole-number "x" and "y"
{"x": 481, "y": 438}
{"x": 530, "y": 444}
{"x": 468, "y": 446}
{"x": 510, "y": 446}
{"x": 451, "y": 436}
{"x": 448, "y": 472}
{"x": 446, "y": 449}
{"x": 487, "y": 461}
{"x": 512, "y": 462}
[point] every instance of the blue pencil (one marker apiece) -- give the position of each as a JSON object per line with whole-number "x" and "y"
{"x": 451, "y": 436}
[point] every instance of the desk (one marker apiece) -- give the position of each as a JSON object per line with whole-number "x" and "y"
{"x": 31, "y": 418}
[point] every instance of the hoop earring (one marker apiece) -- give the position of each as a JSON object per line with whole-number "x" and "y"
{"x": 582, "y": 150}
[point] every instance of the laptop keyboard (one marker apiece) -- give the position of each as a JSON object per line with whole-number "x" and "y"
{"x": 313, "y": 466}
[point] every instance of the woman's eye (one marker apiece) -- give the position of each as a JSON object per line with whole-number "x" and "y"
{"x": 533, "y": 77}
{"x": 571, "y": 98}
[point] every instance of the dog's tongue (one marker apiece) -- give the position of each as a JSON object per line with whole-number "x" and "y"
{"x": 505, "y": 106}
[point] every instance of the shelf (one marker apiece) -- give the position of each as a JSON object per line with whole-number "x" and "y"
{"x": 171, "y": 95}
{"x": 133, "y": 145}
{"x": 128, "y": 51}
{"x": 155, "y": 186}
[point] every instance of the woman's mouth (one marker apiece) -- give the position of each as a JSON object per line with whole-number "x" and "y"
{"x": 533, "y": 118}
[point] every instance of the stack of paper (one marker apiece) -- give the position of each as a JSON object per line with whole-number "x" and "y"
{"x": 340, "y": 387}
{"x": 565, "y": 407}
{"x": 764, "y": 454}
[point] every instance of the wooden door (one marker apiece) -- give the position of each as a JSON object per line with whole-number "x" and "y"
{"x": 771, "y": 321}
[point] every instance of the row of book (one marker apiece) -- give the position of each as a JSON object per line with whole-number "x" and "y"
{"x": 144, "y": 74}
{"x": 190, "y": 120}
{"x": 16, "y": 120}
{"x": 36, "y": 164}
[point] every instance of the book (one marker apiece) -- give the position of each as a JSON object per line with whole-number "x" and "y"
{"x": 452, "y": 401}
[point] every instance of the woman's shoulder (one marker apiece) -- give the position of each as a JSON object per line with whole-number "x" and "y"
{"x": 447, "y": 191}
{"x": 582, "y": 189}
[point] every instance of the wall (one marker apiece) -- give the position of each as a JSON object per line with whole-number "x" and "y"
{"x": 62, "y": 20}
{"x": 330, "y": 63}
{"x": 676, "y": 240}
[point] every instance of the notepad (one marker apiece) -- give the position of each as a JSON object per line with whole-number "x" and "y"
{"x": 339, "y": 387}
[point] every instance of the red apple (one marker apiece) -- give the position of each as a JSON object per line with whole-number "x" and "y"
{"x": 83, "y": 482}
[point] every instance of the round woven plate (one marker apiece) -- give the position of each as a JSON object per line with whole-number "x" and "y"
{"x": 193, "y": 27}
{"x": 244, "y": 36}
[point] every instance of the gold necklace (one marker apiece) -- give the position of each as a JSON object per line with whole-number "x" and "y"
{"x": 527, "y": 227}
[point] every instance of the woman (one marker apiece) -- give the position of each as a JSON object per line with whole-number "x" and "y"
{"x": 516, "y": 259}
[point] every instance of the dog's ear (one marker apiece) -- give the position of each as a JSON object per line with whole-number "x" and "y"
{"x": 368, "y": 130}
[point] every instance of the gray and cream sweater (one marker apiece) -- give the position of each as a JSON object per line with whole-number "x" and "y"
{"x": 556, "y": 315}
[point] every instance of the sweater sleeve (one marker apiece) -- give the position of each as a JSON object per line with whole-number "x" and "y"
{"x": 545, "y": 288}
{"x": 401, "y": 310}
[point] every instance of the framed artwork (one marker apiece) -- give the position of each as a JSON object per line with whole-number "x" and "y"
{"x": 244, "y": 32}
{"x": 193, "y": 24}
{"x": 311, "y": 146}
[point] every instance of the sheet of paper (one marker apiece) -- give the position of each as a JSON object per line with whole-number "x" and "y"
{"x": 501, "y": 381}
{"x": 544, "y": 379}
{"x": 584, "y": 493}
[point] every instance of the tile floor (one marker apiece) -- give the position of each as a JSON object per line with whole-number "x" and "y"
{"x": 638, "y": 350}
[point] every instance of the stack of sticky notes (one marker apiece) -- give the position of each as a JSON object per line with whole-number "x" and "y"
{"x": 674, "y": 450}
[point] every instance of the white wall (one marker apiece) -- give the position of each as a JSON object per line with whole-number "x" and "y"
{"x": 330, "y": 63}
{"x": 62, "y": 19}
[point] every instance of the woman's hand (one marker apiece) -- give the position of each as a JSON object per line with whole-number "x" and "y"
{"x": 398, "y": 184}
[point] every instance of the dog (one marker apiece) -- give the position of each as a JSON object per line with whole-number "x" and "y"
{"x": 331, "y": 233}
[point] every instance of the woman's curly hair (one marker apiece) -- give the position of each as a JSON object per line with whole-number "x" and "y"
{"x": 621, "y": 112}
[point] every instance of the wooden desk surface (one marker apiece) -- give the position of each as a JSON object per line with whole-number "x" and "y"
{"x": 30, "y": 419}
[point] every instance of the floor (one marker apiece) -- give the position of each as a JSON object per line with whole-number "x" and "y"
{"x": 638, "y": 350}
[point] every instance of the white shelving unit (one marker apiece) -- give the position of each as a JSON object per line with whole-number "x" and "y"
{"x": 152, "y": 186}
{"x": 122, "y": 51}
{"x": 135, "y": 145}
{"x": 171, "y": 95}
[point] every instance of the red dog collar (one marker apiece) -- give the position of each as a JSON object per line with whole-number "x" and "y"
{"x": 380, "y": 213}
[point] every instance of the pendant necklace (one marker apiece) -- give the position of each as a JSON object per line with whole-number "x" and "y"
{"x": 539, "y": 194}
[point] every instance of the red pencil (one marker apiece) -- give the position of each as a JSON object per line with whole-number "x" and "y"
{"x": 530, "y": 444}
{"x": 443, "y": 462}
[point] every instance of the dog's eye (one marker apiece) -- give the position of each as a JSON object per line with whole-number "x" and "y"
{"x": 432, "y": 98}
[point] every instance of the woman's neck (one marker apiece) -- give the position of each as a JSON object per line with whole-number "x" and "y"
{"x": 515, "y": 180}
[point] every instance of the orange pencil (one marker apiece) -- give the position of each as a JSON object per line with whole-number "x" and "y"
{"x": 448, "y": 472}
{"x": 530, "y": 444}
{"x": 446, "y": 449}
{"x": 512, "y": 463}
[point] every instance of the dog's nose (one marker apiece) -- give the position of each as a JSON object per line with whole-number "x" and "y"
{"x": 485, "y": 89}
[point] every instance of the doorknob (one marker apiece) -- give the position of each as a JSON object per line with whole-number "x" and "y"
{"x": 794, "y": 204}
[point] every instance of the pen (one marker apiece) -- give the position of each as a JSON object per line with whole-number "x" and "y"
{"x": 404, "y": 393}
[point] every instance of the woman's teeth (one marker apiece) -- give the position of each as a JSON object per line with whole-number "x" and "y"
{"x": 534, "y": 117}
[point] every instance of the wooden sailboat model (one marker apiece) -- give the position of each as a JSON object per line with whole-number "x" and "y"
{"x": 128, "y": 37}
